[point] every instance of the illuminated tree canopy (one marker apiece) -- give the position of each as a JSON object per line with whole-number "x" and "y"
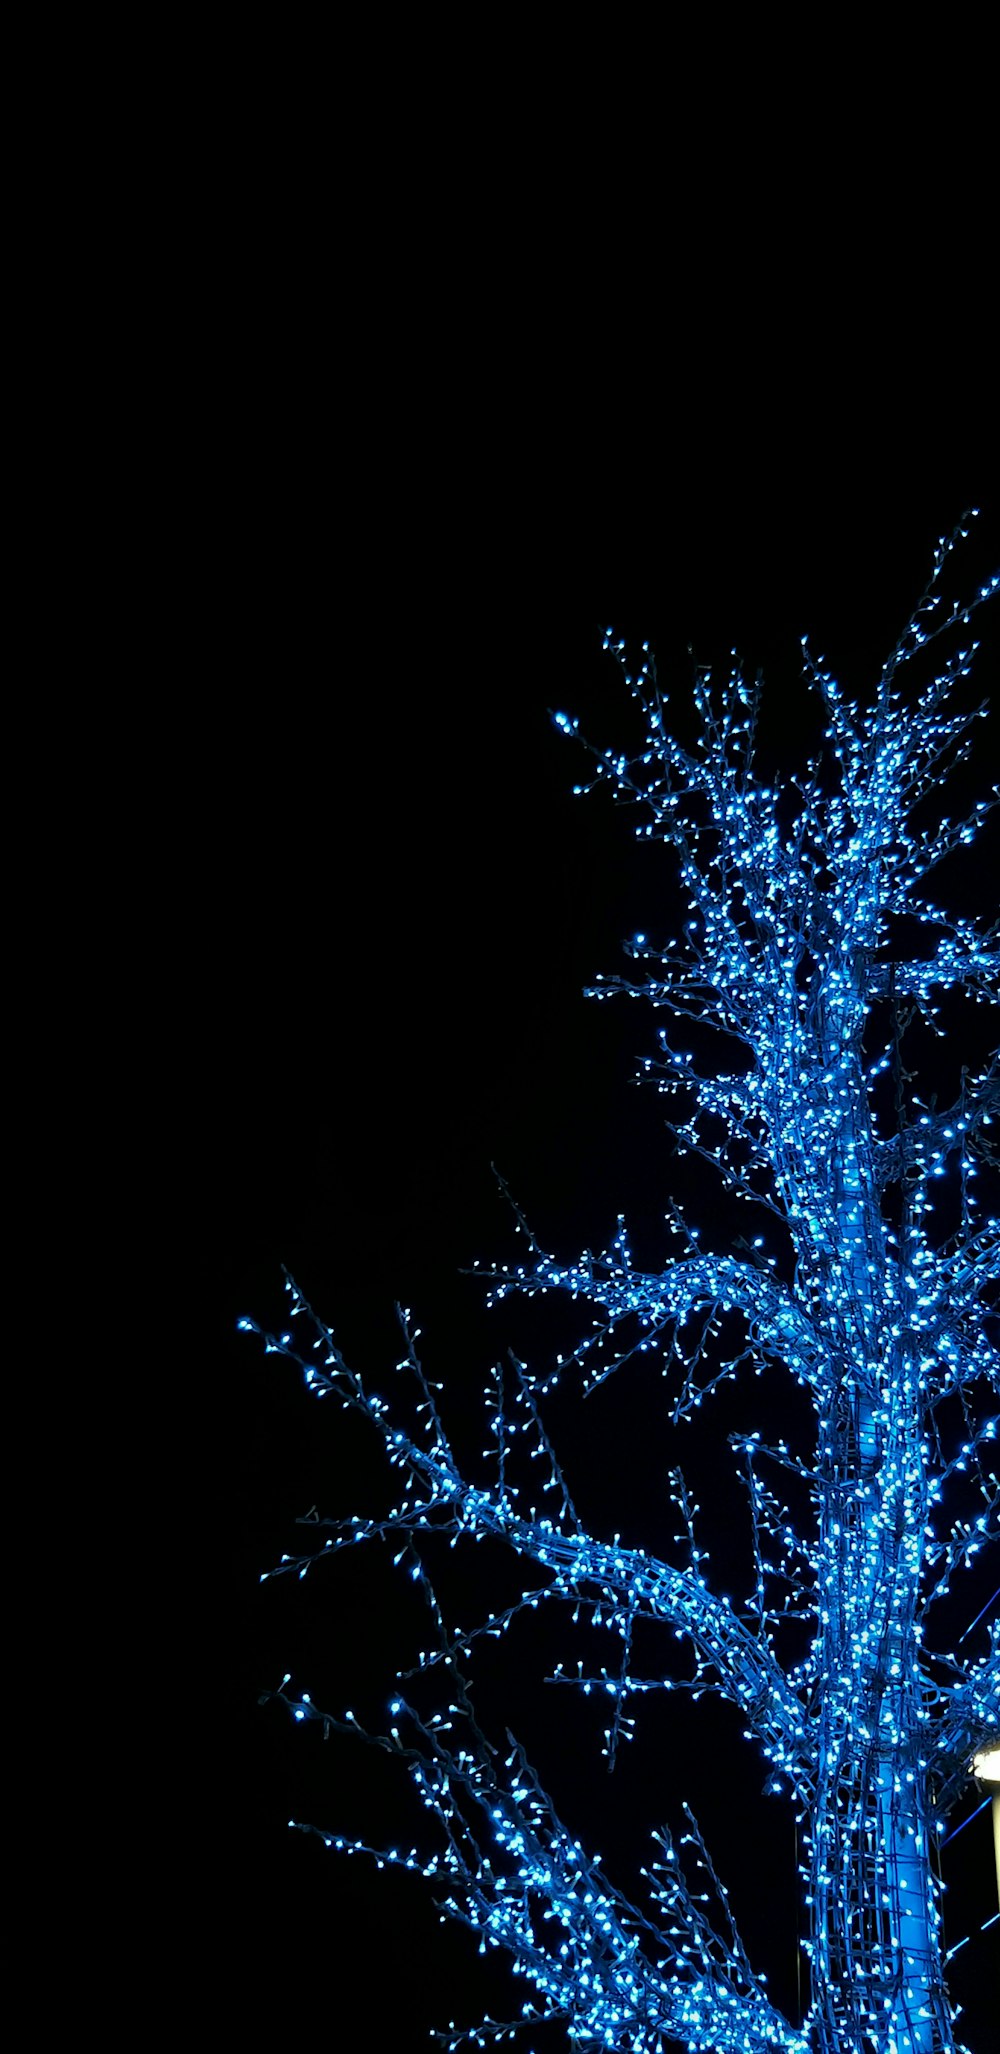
{"x": 809, "y": 958}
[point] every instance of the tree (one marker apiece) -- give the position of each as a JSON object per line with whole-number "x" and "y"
{"x": 810, "y": 959}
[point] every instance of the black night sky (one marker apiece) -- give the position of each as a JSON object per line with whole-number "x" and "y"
{"x": 404, "y": 903}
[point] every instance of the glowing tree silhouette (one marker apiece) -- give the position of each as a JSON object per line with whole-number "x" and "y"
{"x": 798, "y": 950}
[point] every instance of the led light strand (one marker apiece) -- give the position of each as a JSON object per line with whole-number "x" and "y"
{"x": 866, "y": 1724}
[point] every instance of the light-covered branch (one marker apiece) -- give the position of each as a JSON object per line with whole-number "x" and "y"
{"x": 871, "y": 1282}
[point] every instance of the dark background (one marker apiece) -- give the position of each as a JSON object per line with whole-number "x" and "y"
{"x": 402, "y": 904}
{"x": 363, "y": 391}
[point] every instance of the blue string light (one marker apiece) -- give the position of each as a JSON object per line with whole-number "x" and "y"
{"x": 787, "y": 949}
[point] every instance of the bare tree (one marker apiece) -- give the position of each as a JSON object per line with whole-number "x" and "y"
{"x": 810, "y": 959}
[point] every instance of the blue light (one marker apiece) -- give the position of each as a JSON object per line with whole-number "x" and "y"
{"x": 865, "y": 1722}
